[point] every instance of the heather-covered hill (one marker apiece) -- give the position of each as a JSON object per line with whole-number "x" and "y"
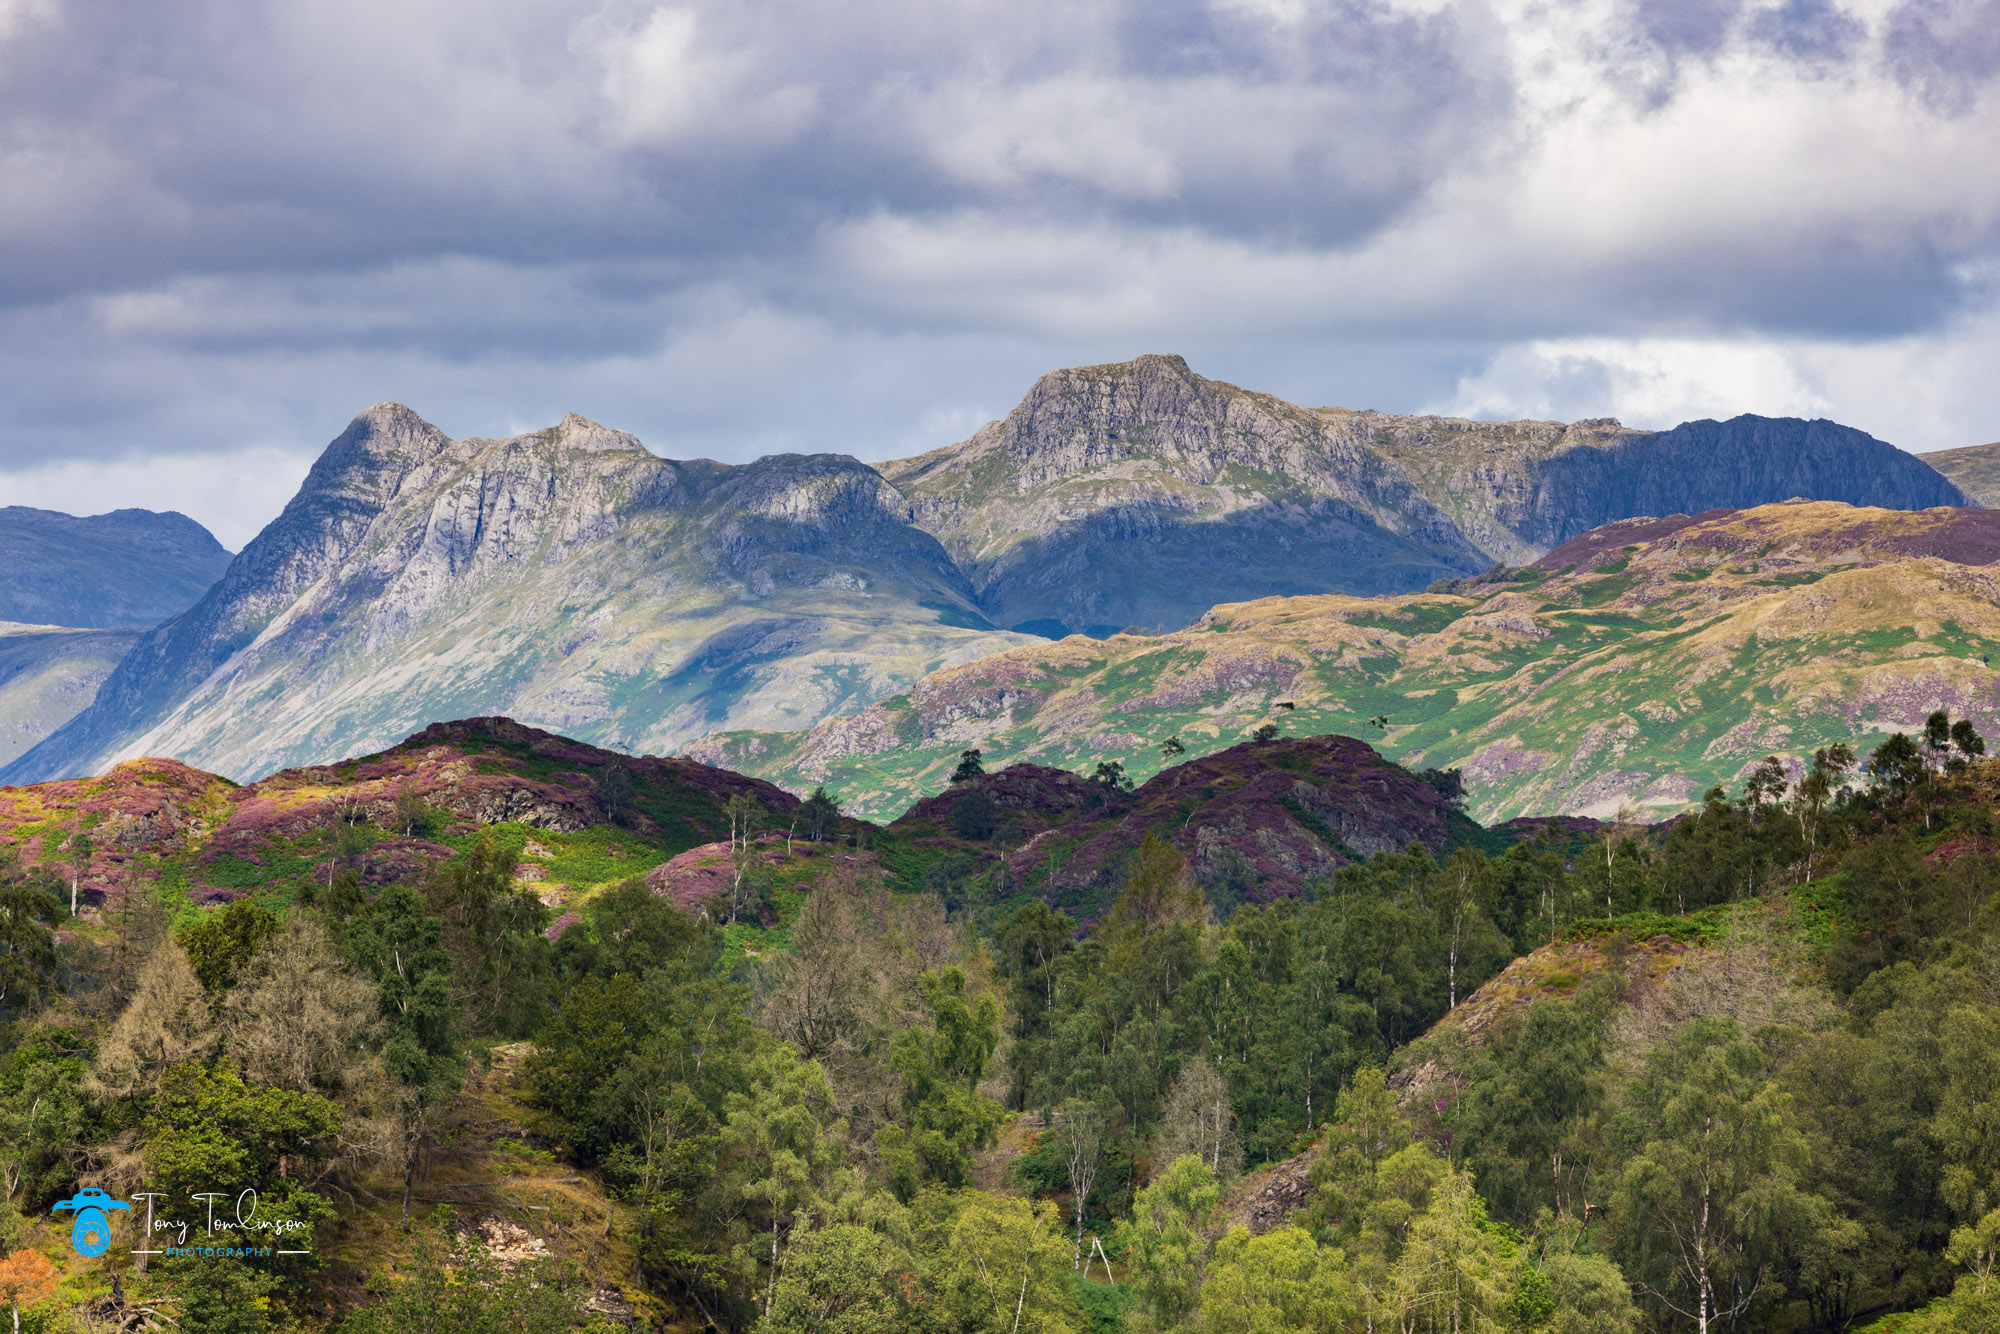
{"x": 574, "y": 817}
{"x": 1637, "y": 665}
{"x": 1257, "y": 821}
{"x": 125, "y": 570}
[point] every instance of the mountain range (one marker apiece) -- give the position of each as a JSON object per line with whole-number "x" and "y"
{"x": 571, "y": 578}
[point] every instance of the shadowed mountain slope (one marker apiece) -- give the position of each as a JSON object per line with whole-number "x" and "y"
{"x": 48, "y": 675}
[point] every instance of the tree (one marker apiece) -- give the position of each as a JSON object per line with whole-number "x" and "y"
{"x": 1708, "y": 1197}
{"x": 615, "y": 791}
{"x": 1365, "y": 1131}
{"x": 991, "y": 1265}
{"x": 975, "y": 817}
{"x": 1278, "y": 1283}
{"x": 167, "y": 1022}
{"x": 1765, "y": 785}
{"x": 1167, "y": 1238}
{"x": 491, "y": 928}
{"x": 1897, "y": 765}
{"x": 1110, "y": 778}
{"x": 1526, "y": 1117}
{"x": 1086, "y": 1124}
{"x": 944, "y": 1116}
{"x": 746, "y": 816}
{"x": 220, "y": 944}
{"x": 1973, "y": 1307}
{"x": 1032, "y": 944}
{"x": 836, "y": 1281}
{"x": 410, "y": 812}
{"x": 969, "y": 765}
{"x": 820, "y": 816}
{"x": 1452, "y": 1275}
{"x": 397, "y": 945}
{"x": 784, "y": 1141}
{"x": 1265, "y": 732}
{"x": 1172, "y": 749}
{"x": 299, "y": 1017}
{"x": 207, "y": 1130}
{"x": 43, "y": 1109}
{"x": 80, "y": 850}
{"x": 1198, "y": 1119}
{"x": 1447, "y": 783}
{"x": 27, "y": 1278}
{"x": 29, "y": 910}
{"x": 1815, "y": 792}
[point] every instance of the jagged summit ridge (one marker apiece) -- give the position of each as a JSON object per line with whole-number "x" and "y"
{"x": 566, "y": 576}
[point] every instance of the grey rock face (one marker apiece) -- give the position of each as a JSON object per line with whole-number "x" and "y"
{"x": 1140, "y": 494}
{"x": 119, "y": 571}
{"x": 566, "y": 577}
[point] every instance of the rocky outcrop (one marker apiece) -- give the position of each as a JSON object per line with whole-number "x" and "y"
{"x": 119, "y": 571}
{"x": 567, "y": 576}
{"x": 1140, "y": 494}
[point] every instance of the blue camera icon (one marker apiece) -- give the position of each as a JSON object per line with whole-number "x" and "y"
{"x": 91, "y": 1233}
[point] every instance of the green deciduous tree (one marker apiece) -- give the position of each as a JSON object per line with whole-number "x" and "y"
{"x": 1167, "y": 1239}
{"x": 987, "y": 1264}
{"x": 1708, "y": 1200}
{"x": 1280, "y": 1283}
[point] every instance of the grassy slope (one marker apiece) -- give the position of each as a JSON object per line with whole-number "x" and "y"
{"x": 1643, "y": 676}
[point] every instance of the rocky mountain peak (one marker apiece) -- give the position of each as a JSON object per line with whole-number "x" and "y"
{"x": 580, "y": 433}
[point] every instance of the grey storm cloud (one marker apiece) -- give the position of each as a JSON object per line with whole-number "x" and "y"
{"x": 786, "y": 224}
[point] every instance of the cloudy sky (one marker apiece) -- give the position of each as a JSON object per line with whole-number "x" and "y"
{"x": 757, "y": 225}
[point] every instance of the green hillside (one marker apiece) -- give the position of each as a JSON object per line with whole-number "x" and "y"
{"x": 1634, "y": 667}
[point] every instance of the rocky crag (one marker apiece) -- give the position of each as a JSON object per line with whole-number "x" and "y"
{"x": 1139, "y": 494}
{"x": 568, "y": 576}
{"x": 1635, "y": 665}
{"x": 125, "y": 570}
